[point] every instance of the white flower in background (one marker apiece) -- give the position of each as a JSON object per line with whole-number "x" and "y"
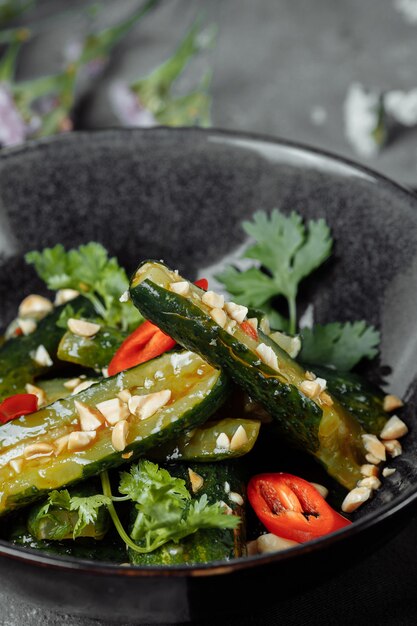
{"x": 127, "y": 107}
{"x": 402, "y": 106}
{"x": 12, "y": 126}
{"x": 362, "y": 117}
{"x": 408, "y": 8}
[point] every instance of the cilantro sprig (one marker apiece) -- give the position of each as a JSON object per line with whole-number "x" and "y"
{"x": 288, "y": 250}
{"x": 166, "y": 510}
{"x": 285, "y": 251}
{"x": 91, "y": 271}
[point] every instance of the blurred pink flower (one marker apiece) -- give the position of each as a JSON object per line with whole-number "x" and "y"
{"x": 127, "y": 107}
{"x": 12, "y": 126}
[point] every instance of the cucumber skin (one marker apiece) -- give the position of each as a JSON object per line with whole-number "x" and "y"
{"x": 299, "y": 418}
{"x": 205, "y": 545}
{"x": 190, "y": 419}
{"x": 17, "y": 367}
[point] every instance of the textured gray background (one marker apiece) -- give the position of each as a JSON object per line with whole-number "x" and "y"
{"x": 275, "y": 61}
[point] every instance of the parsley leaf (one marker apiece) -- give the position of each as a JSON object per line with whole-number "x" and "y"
{"x": 63, "y": 516}
{"x": 89, "y": 270}
{"x": 339, "y": 345}
{"x": 288, "y": 250}
{"x": 165, "y": 509}
{"x": 88, "y": 508}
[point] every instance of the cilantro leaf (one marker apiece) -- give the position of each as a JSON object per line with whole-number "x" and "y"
{"x": 88, "y": 509}
{"x": 89, "y": 270}
{"x": 288, "y": 250}
{"x": 165, "y": 509}
{"x": 339, "y": 345}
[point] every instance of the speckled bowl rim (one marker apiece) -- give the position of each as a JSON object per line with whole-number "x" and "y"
{"x": 373, "y": 519}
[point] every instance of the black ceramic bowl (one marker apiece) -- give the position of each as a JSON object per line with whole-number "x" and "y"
{"x": 180, "y": 195}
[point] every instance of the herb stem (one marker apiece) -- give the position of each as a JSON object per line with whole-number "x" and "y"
{"x": 105, "y": 483}
{"x": 292, "y": 307}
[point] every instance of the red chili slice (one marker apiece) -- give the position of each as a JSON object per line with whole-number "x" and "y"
{"x": 145, "y": 343}
{"x": 17, "y": 405}
{"x": 291, "y": 507}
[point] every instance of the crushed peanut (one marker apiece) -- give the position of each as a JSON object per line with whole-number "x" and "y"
{"x": 394, "y": 428}
{"x": 374, "y": 446}
{"x": 78, "y": 440}
{"x": 35, "y": 306}
{"x": 268, "y": 356}
{"x": 127, "y": 455}
{"x": 393, "y": 447}
{"x": 90, "y": 419}
{"x": 223, "y": 442}
{"x": 388, "y": 471}
{"x": 119, "y": 435}
{"x": 253, "y": 321}
{"x": 27, "y": 326}
{"x": 82, "y": 328}
{"x": 61, "y": 444}
{"x": 182, "y": 287}
{"x": 72, "y": 383}
{"x": 213, "y": 300}
{"x": 291, "y": 345}
{"x": 372, "y": 482}
{"x": 310, "y": 388}
{"x": 326, "y": 399}
{"x": 355, "y": 498}
{"x": 114, "y": 410}
{"x": 41, "y": 356}
{"x": 237, "y": 312}
{"x": 239, "y": 438}
{"x": 196, "y": 480}
{"x": 236, "y": 498}
{"x": 85, "y": 384}
{"x": 392, "y": 402}
{"x": 34, "y": 450}
{"x": 310, "y": 375}
{"x": 372, "y": 459}
{"x": 147, "y": 405}
{"x": 63, "y": 296}
{"x": 38, "y": 392}
{"x": 369, "y": 470}
{"x": 323, "y": 491}
{"x": 219, "y": 316}
{"x": 272, "y": 543}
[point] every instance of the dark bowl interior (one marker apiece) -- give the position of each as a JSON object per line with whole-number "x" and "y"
{"x": 180, "y": 195}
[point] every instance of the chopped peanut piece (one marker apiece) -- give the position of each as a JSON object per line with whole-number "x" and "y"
{"x": 236, "y": 498}
{"x": 355, "y": 498}
{"x": 374, "y": 446}
{"x": 219, "y": 316}
{"x": 182, "y": 287}
{"x": 310, "y": 376}
{"x": 213, "y": 300}
{"x": 38, "y": 392}
{"x": 61, "y": 444}
{"x": 147, "y": 405}
{"x": 253, "y": 321}
{"x": 394, "y": 428}
{"x": 78, "y": 440}
{"x": 372, "y": 482}
{"x": 268, "y": 356}
{"x": 326, "y": 399}
{"x": 85, "y": 384}
{"x": 16, "y": 465}
{"x": 72, "y": 383}
{"x": 124, "y": 395}
{"x": 372, "y": 459}
{"x": 323, "y": 491}
{"x": 223, "y": 442}
{"x": 35, "y": 306}
{"x": 63, "y": 296}
{"x": 237, "y": 312}
{"x": 310, "y": 388}
{"x": 393, "y": 447}
{"x": 114, "y": 410}
{"x": 90, "y": 419}
{"x": 127, "y": 455}
{"x": 272, "y": 543}
{"x": 119, "y": 435}
{"x": 41, "y": 356}
{"x": 388, "y": 471}
{"x": 239, "y": 438}
{"x": 369, "y": 470}
{"x": 82, "y": 328}
{"x": 27, "y": 326}
{"x": 196, "y": 480}
{"x": 392, "y": 402}
{"x": 34, "y": 450}
{"x": 291, "y": 345}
